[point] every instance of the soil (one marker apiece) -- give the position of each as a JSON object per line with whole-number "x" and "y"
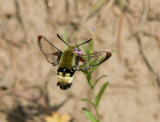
{"x": 28, "y": 81}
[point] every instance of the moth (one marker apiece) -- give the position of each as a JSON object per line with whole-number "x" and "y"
{"x": 70, "y": 60}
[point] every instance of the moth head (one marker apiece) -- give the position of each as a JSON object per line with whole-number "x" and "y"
{"x": 75, "y": 49}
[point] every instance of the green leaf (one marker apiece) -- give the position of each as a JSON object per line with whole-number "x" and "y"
{"x": 91, "y": 47}
{"x": 112, "y": 51}
{"x": 98, "y": 98}
{"x": 89, "y": 115}
{"x": 84, "y": 48}
{"x": 87, "y": 100}
{"x": 88, "y": 76}
{"x": 94, "y": 68}
{"x": 98, "y": 80}
{"x": 77, "y": 47}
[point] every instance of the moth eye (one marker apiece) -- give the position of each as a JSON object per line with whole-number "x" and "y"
{"x": 67, "y": 74}
{"x": 60, "y": 73}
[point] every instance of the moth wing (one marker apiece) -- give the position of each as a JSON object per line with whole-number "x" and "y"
{"x": 51, "y": 52}
{"x": 91, "y": 60}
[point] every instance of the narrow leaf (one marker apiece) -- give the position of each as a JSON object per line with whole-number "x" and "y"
{"x": 91, "y": 47}
{"x": 94, "y": 69}
{"x": 98, "y": 98}
{"x": 86, "y": 72}
{"x": 84, "y": 48}
{"x": 88, "y": 76}
{"x": 87, "y": 100}
{"x": 89, "y": 115}
{"x": 77, "y": 47}
{"x": 112, "y": 51}
{"x": 98, "y": 80}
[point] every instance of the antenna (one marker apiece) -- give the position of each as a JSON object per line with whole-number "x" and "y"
{"x": 84, "y": 42}
{"x": 62, "y": 40}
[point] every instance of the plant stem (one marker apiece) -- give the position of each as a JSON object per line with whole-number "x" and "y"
{"x": 94, "y": 97}
{"x": 91, "y": 85}
{"x": 97, "y": 114}
{"x": 95, "y": 107}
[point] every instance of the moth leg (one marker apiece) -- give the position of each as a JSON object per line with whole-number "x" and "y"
{"x": 56, "y": 63}
{"x": 78, "y": 69}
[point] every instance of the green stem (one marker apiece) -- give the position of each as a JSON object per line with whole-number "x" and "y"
{"x": 94, "y": 96}
{"x": 95, "y": 107}
{"x": 97, "y": 113}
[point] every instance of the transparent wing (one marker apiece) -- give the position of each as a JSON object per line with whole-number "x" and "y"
{"x": 88, "y": 61}
{"x": 51, "y": 52}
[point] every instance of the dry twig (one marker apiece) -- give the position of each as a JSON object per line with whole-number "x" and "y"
{"x": 137, "y": 35}
{"x": 105, "y": 11}
{"x": 119, "y": 35}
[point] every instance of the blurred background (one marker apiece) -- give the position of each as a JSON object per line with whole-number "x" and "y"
{"x": 28, "y": 81}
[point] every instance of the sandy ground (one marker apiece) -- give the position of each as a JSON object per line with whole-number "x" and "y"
{"x": 133, "y": 94}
